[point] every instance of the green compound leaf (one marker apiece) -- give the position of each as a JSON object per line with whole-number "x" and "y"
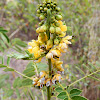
{"x": 41, "y": 66}
{"x": 18, "y": 42}
{"x": 59, "y": 89}
{"x": 17, "y": 55}
{"x": 17, "y": 93}
{"x": 62, "y": 95}
{"x": 9, "y": 92}
{"x": 17, "y": 82}
{"x": 79, "y": 98}
{"x": 1, "y": 66}
{"x": 8, "y": 69}
{"x": 8, "y": 60}
{"x": 66, "y": 99}
{"x": 75, "y": 92}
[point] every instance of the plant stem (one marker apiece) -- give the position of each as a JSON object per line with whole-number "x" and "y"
{"x": 65, "y": 91}
{"x": 48, "y": 88}
{"x": 49, "y": 60}
{"x": 84, "y": 77}
{"x": 22, "y": 74}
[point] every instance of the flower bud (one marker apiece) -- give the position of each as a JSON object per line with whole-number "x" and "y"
{"x": 38, "y": 11}
{"x": 49, "y": 55}
{"x": 42, "y": 17}
{"x": 58, "y": 9}
{"x": 52, "y": 29}
{"x": 41, "y": 8}
{"x": 38, "y": 30}
{"x": 56, "y": 41}
{"x": 58, "y": 30}
{"x": 41, "y": 23}
{"x": 57, "y": 24}
{"x": 43, "y": 28}
{"x": 58, "y": 17}
{"x": 45, "y": 9}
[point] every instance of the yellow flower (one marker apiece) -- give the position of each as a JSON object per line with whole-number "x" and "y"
{"x": 36, "y": 51}
{"x": 42, "y": 37}
{"x": 38, "y": 60}
{"x": 35, "y": 80}
{"x": 30, "y": 49}
{"x": 34, "y": 43}
{"x": 63, "y": 47}
{"x": 62, "y": 34}
{"x": 48, "y": 82}
{"x": 60, "y": 22}
{"x": 42, "y": 74}
{"x": 68, "y": 37}
{"x": 56, "y": 53}
{"x": 49, "y": 55}
{"x": 49, "y": 44}
{"x": 64, "y": 28}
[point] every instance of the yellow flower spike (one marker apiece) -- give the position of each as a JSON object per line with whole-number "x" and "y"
{"x": 60, "y": 22}
{"x": 63, "y": 28}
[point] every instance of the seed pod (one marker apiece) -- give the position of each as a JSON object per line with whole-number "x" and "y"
{"x": 58, "y": 17}
{"x": 58, "y": 30}
{"x": 56, "y": 41}
{"x": 52, "y": 29}
{"x": 42, "y": 17}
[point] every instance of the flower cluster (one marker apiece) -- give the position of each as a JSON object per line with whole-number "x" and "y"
{"x": 52, "y": 46}
{"x": 44, "y": 80}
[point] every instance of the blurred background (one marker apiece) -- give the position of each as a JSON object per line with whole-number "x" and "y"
{"x": 19, "y": 18}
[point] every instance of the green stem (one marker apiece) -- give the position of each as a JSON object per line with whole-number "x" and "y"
{"x": 22, "y": 74}
{"x": 65, "y": 91}
{"x": 49, "y": 60}
{"x": 43, "y": 95}
{"x": 48, "y": 88}
{"x": 84, "y": 77}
